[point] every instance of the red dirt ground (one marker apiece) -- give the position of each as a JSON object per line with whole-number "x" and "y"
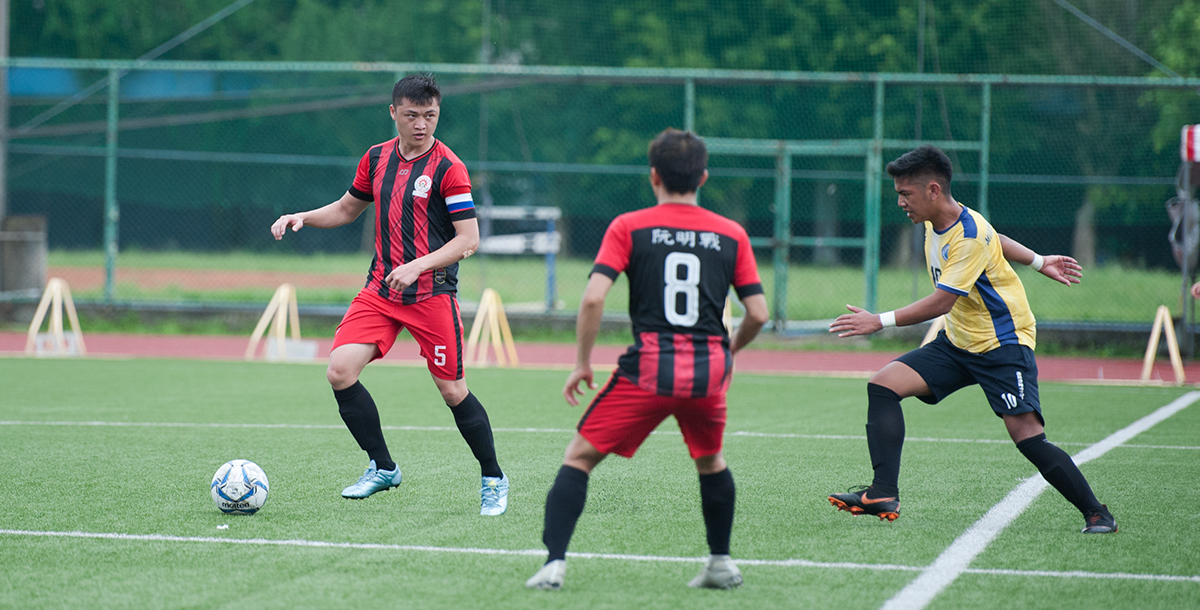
{"x": 534, "y": 355}
{"x": 542, "y": 355}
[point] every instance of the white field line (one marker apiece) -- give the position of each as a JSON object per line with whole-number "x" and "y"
{"x": 539, "y": 553}
{"x": 955, "y": 560}
{"x": 734, "y": 434}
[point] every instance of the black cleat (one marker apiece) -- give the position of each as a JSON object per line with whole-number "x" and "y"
{"x": 1099, "y": 521}
{"x": 858, "y": 502}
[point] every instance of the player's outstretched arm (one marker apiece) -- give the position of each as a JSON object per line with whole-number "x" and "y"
{"x": 340, "y": 212}
{"x": 1060, "y": 268}
{"x": 862, "y": 322}
{"x": 587, "y": 327}
{"x": 756, "y": 316}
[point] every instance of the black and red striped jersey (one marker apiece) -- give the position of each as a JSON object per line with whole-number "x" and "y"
{"x": 680, "y": 260}
{"x": 417, "y": 202}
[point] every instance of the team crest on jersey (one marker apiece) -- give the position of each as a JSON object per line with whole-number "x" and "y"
{"x": 439, "y": 275}
{"x": 946, "y": 252}
{"x": 422, "y": 185}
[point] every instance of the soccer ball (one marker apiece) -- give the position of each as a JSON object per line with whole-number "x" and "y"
{"x": 240, "y": 487}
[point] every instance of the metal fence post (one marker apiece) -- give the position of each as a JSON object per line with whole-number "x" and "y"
{"x": 112, "y": 212}
{"x": 985, "y": 136}
{"x": 871, "y": 207}
{"x": 783, "y": 232}
{"x": 551, "y": 279}
{"x": 689, "y": 105}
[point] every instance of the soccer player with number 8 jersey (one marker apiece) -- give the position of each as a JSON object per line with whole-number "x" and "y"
{"x": 681, "y": 261}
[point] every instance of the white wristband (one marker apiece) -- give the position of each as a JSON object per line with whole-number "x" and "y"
{"x": 887, "y": 318}
{"x": 1037, "y": 263}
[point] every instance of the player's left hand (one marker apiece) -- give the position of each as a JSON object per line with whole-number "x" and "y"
{"x": 571, "y": 389}
{"x": 1062, "y": 269}
{"x": 861, "y": 322}
{"x": 402, "y": 277}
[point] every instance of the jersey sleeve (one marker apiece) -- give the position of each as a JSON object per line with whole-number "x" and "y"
{"x": 745, "y": 272}
{"x": 362, "y": 187}
{"x": 456, "y": 189}
{"x": 613, "y": 257}
{"x": 965, "y": 261}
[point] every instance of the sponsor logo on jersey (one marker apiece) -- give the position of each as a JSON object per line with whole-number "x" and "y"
{"x": 422, "y": 185}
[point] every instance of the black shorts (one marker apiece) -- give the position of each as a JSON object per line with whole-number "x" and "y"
{"x": 1007, "y": 374}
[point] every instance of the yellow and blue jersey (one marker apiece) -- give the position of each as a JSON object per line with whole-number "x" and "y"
{"x": 966, "y": 260}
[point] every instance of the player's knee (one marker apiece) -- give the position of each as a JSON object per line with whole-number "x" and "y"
{"x": 340, "y": 377}
{"x": 453, "y": 393}
{"x": 711, "y": 464}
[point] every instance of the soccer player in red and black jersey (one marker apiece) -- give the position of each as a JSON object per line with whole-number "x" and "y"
{"x": 425, "y": 224}
{"x": 680, "y": 260}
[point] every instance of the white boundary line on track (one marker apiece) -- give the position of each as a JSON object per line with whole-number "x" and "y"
{"x": 839, "y": 437}
{"x": 803, "y": 563}
{"x": 955, "y": 560}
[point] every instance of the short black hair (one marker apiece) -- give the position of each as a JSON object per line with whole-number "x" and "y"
{"x": 680, "y": 158}
{"x": 923, "y": 162}
{"x": 420, "y": 89}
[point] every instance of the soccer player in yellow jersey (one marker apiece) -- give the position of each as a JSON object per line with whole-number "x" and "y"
{"x": 989, "y": 340}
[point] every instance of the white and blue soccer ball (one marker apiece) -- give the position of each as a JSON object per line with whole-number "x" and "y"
{"x": 240, "y": 487}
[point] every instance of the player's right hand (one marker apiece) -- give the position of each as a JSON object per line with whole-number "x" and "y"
{"x": 1062, "y": 269}
{"x": 295, "y": 221}
{"x": 580, "y": 374}
{"x": 859, "y": 322}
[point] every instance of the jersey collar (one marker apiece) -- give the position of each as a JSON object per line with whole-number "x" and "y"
{"x": 962, "y": 213}
{"x": 397, "y": 146}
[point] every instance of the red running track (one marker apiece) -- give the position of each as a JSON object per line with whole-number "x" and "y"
{"x": 540, "y": 355}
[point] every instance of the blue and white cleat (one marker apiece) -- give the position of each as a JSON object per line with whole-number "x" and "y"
{"x": 373, "y": 480}
{"x": 719, "y": 573}
{"x": 550, "y": 577}
{"x": 493, "y": 496}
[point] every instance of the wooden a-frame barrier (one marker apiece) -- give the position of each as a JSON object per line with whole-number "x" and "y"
{"x": 1162, "y": 322}
{"x": 56, "y": 297}
{"x": 491, "y": 315}
{"x": 280, "y": 311}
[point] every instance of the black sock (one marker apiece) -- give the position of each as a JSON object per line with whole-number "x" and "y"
{"x": 1059, "y": 471}
{"x": 473, "y": 424}
{"x": 564, "y": 504}
{"x": 717, "y": 495}
{"x": 885, "y": 437}
{"x": 362, "y": 418}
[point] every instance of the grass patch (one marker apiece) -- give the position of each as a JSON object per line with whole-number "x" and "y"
{"x": 150, "y": 434}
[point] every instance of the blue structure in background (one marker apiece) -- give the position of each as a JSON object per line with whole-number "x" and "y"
{"x": 141, "y": 85}
{"x": 42, "y": 82}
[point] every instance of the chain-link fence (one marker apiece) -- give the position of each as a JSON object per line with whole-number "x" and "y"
{"x": 186, "y": 164}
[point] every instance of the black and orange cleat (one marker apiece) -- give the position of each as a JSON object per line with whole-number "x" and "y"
{"x": 857, "y": 502}
{"x": 1099, "y": 521}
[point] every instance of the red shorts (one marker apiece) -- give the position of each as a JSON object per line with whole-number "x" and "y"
{"x": 622, "y": 415}
{"x": 435, "y": 323}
